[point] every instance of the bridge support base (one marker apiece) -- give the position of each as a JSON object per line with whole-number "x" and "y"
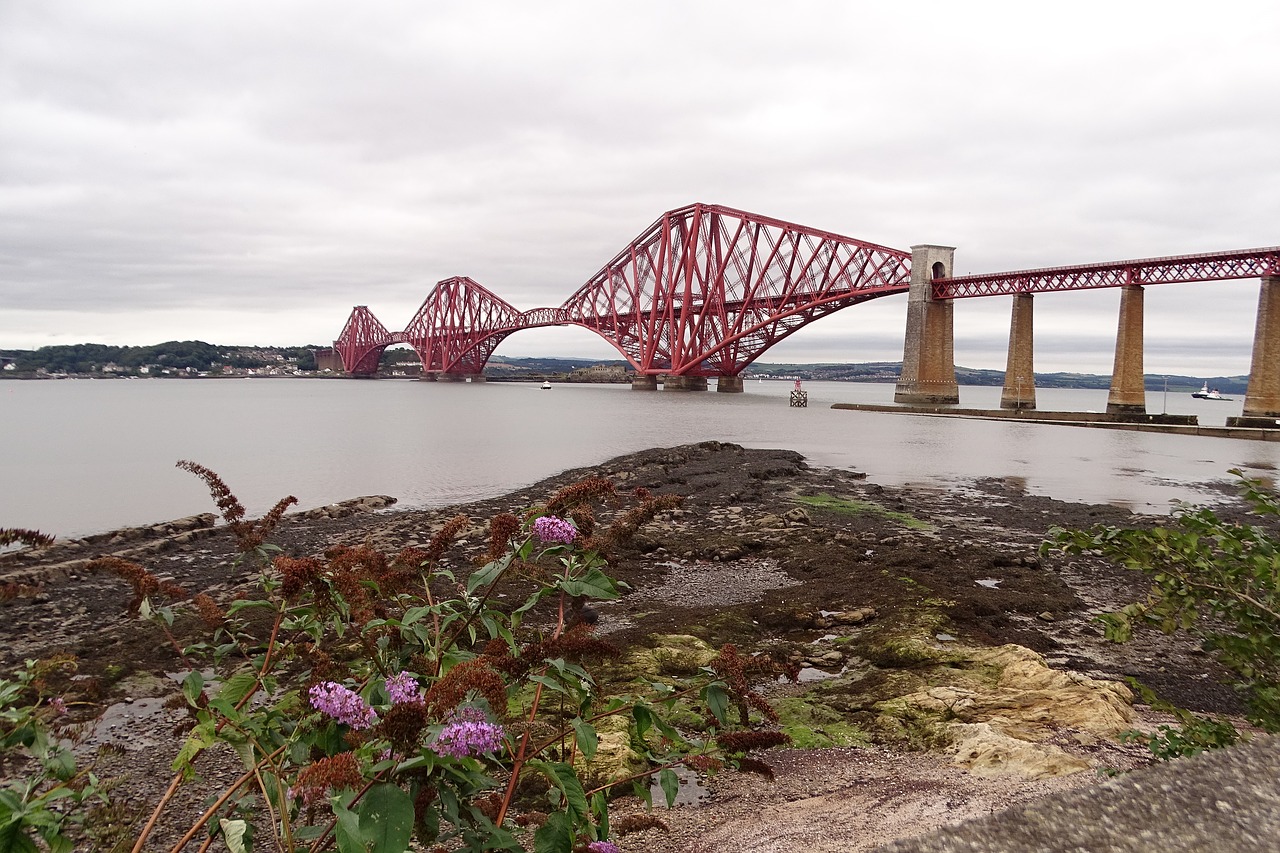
{"x": 1019, "y": 373}
{"x": 928, "y": 356}
{"x": 644, "y": 382}
{"x": 1262, "y": 399}
{"x": 427, "y": 377}
{"x": 684, "y": 383}
{"x": 729, "y": 384}
{"x": 1128, "y": 390}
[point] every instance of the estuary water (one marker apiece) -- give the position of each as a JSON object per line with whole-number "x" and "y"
{"x": 83, "y": 456}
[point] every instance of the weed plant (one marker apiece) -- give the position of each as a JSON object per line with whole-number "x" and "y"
{"x": 380, "y": 700}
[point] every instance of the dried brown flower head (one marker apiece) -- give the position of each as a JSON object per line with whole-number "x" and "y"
{"x": 210, "y": 613}
{"x": 248, "y": 534}
{"x": 473, "y": 675}
{"x": 403, "y": 725}
{"x": 579, "y": 493}
{"x": 748, "y": 741}
{"x": 445, "y": 537}
{"x": 333, "y": 773}
{"x": 738, "y": 671}
{"x": 143, "y": 583}
{"x": 502, "y": 529}
{"x": 19, "y": 536}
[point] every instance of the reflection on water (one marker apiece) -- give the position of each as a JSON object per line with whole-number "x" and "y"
{"x": 93, "y": 455}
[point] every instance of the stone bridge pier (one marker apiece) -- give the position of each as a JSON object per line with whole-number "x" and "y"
{"x": 928, "y": 353}
{"x": 1262, "y": 399}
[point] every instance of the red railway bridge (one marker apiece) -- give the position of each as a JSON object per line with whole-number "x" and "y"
{"x": 706, "y": 289}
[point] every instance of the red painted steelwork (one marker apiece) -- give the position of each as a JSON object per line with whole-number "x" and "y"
{"x": 706, "y": 289}
{"x": 703, "y": 291}
{"x": 362, "y": 341}
{"x": 1214, "y": 266}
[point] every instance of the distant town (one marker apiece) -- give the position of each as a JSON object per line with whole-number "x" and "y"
{"x": 197, "y": 359}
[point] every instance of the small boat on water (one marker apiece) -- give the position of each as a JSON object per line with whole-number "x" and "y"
{"x": 546, "y": 385}
{"x": 1206, "y": 394}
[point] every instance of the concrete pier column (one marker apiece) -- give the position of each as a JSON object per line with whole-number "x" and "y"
{"x": 928, "y": 352}
{"x": 1128, "y": 392}
{"x": 1019, "y": 372}
{"x": 684, "y": 383}
{"x": 428, "y": 377}
{"x": 644, "y": 382}
{"x": 450, "y": 377}
{"x": 729, "y": 384}
{"x": 1262, "y": 399}
{"x": 475, "y": 377}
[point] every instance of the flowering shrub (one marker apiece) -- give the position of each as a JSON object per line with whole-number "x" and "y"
{"x": 379, "y": 700}
{"x": 552, "y": 530}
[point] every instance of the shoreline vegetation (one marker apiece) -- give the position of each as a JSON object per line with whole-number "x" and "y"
{"x": 189, "y": 359}
{"x": 946, "y": 667}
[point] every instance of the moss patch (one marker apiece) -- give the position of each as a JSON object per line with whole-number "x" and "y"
{"x": 813, "y": 725}
{"x": 850, "y": 506}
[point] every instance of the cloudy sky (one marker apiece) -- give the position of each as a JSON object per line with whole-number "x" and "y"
{"x": 246, "y": 172}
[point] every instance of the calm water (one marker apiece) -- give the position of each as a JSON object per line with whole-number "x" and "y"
{"x": 84, "y": 456}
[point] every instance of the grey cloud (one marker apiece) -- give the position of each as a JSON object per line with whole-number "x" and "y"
{"x": 293, "y": 159}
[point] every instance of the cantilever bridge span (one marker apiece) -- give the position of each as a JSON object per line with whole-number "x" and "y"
{"x": 703, "y": 291}
{"x": 706, "y": 289}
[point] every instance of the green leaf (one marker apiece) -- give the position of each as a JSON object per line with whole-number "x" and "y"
{"x": 488, "y": 574}
{"x": 386, "y": 818}
{"x": 567, "y": 781}
{"x": 670, "y": 784}
{"x": 555, "y": 836}
{"x": 593, "y": 584}
{"x": 238, "y": 686}
{"x": 717, "y": 700}
{"x": 347, "y": 831}
{"x": 588, "y": 742}
{"x": 193, "y": 687}
{"x": 233, "y": 832}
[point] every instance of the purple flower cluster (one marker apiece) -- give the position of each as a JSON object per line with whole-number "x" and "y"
{"x": 467, "y": 732}
{"x": 403, "y": 688}
{"x": 342, "y": 704}
{"x": 603, "y": 847}
{"x": 553, "y": 530}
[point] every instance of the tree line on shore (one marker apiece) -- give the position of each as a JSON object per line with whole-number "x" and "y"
{"x": 201, "y": 357}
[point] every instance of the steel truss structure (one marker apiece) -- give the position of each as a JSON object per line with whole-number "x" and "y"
{"x": 702, "y": 291}
{"x": 1214, "y": 266}
{"x": 706, "y": 289}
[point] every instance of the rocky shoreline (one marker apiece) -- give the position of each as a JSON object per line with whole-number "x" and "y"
{"x": 912, "y": 611}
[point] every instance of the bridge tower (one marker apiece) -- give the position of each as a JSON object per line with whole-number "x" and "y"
{"x": 1262, "y": 399}
{"x": 928, "y": 355}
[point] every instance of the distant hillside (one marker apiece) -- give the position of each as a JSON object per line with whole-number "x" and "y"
{"x": 192, "y": 356}
{"x": 888, "y": 371}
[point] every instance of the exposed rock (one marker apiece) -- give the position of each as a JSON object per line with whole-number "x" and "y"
{"x": 985, "y": 750}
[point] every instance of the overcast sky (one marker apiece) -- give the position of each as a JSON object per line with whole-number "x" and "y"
{"x": 246, "y": 172}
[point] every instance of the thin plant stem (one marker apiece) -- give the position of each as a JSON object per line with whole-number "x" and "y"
{"x": 219, "y": 803}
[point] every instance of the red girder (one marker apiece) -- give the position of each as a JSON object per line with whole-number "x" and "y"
{"x": 362, "y": 341}
{"x": 706, "y": 289}
{"x": 1214, "y": 266}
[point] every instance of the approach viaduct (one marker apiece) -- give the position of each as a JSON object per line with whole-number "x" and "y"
{"x": 706, "y": 289}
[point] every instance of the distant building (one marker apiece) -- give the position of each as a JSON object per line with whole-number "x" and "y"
{"x": 600, "y": 373}
{"x": 328, "y": 359}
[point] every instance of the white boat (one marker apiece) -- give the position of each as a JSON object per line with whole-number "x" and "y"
{"x": 1206, "y": 394}
{"x": 546, "y": 385}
